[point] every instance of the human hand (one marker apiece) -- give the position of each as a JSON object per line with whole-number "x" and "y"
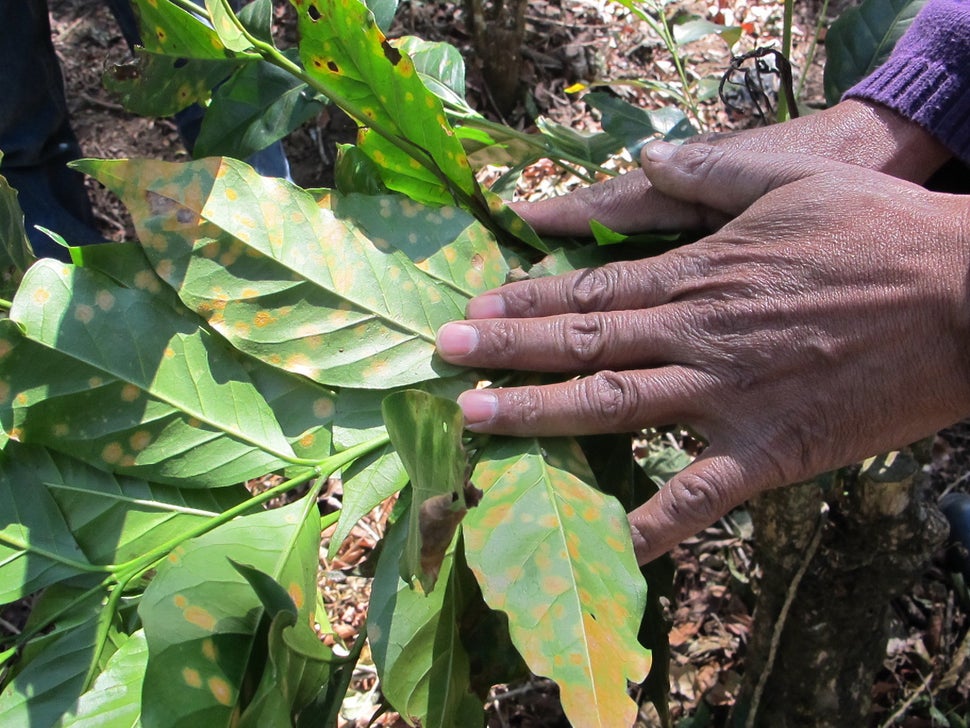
{"x": 827, "y": 322}
{"x": 855, "y": 132}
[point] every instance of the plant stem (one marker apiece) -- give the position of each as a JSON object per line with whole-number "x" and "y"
{"x": 810, "y": 56}
{"x": 785, "y": 113}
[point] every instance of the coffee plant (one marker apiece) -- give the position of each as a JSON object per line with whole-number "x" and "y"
{"x": 256, "y": 328}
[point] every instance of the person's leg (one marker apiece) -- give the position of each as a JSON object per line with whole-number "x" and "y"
{"x": 35, "y": 133}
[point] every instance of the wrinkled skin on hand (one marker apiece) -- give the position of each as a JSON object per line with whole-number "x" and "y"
{"x": 826, "y": 322}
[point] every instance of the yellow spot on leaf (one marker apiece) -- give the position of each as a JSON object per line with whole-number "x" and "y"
{"x": 130, "y": 393}
{"x": 231, "y": 194}
{"x": 191, "y": 677}
{"x": 105, "y": 300}
{"x": 140, "y": 440}
{"x": 220, "y": 690}
{"x": 296, "y": 594}
{"x": 307, "y": 440}
{"x": 112, "y": 453}
{"x": 263, "y": 318}
{"x": 200, "y": 618}
{"x": 21, "y": 399}
{"x": 180, "y": 601}
{"x": 616, "y": 544}
{"x": 554, "y": 584}
{"x": 209, "y": 650}
{"x": 84, "y": 313}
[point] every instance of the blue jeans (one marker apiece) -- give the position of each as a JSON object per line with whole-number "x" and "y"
{"x": 35, "y": 132}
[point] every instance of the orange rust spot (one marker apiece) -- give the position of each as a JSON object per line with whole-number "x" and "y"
{"x": 209, "y": 650}
{"x": 179, "y": 599}
{"x": 112, "y": 452}
{"x": 200, "y": 618}
{"x": 84, "y": 313}
{"x": 192, "y": 677}
{"x": 263, "y": 318}
{"x": 307, "y": 440}
{"x": 296, "y": 594}
{"x": 220, "y": 690}
{"x": 130, "y": 393}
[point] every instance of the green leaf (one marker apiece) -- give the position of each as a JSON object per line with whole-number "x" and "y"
{"x": 426, "y": 432}
{"x": 53, "y": 679}
{"x": 225, "y": 25}
{"x": 355, "y": 172}
{"x": 156, "y": 84}
{"x": 593, "y": 148}
{"x": 202, "y": 616}
{"x": 689, "y": 28}
{"x": 861, "y": 39}
{"x": 343, "y": 49}
{"x": 15, "y": 252}
{"x": 441, "y": 68}
{"x": 114, "y": 700}
{"x": 174, "y": 407}
{"x": 414, "y": 640}
{"x": 281, "y": 278}
{"x": 257, "y": 106}
{"x": 445, "y": 242}
{"x": 167, "y": 28}
{"x": 631, "y": 125}
{"x": 257, "y": 16}
{"x": 569, "y": 581}
{"x": 66, "y": 513}
{"x": 384, "y": 11}
{"x": 299, "y": 664}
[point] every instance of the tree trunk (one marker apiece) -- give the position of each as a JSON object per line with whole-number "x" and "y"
{"x": 834, "y": 552}
{"x": 498, "y": 33}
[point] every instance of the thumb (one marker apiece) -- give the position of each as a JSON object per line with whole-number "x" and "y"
{"x": 691, "y": 501}
{"x": 724, "y": 179}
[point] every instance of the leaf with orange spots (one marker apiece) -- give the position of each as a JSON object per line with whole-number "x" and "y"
{"x": 202, "y": 617}
{"x": 445, "y": 241}
{"x": 108, "y": 375}
{"x": 343, "y": 49}
{"x": 555, "y": 555}
{"x": 415, "y": 641}
{"x": 283, "y": 279}
{"x": 299, "y": 663}
{"x": 427, "y": 431}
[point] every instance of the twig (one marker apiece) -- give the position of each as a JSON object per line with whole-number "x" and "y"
{"x": 908, "y": 702}
{"x": 10, "y": 627}
{"x": 783, "y": 617}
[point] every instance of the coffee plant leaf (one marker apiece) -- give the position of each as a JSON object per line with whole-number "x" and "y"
{"x": 860, "y": 40}
{"x": 569, "y": 581}
{"x": 446, "y": 242}
{"x": 114, "y": 700}
{"x": 257, "y": 17}
{"x": 71, "y": 516}
{"x": 415, "y": 642}
{"x": 356, "y": 173}
{"x": 298, "y": 662}
{"x": 51, "y": 683}
{"x": 384, "y": 11}
{"x": 590, "y": 147}
{"x": 107, "y": 375}
{"x": 168, "y": 29}
{"x": 285, "y": 281}
{"x": 127, "y": 265}
{"x": 441, "y": 68}
{"x": 202, "y": 617}
{"x": 15, "y": 253}
{"x": 156, "y": 84}
{"x": 227, "y": 26}
{"x": 631, "y": 126}
{"x": 256, "y": 106}
{"x": 401, "y": 172}
{"x": 343, "y": 49}
{"x": 427, "y": 432}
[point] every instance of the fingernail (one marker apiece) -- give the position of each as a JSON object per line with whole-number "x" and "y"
{"x": 456, "y": 340}
{"x": 478, "y": 406}
{"x": 488, "y": 305}
{"x": 659, "y": 151}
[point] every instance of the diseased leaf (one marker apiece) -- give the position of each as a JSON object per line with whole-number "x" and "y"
{"x": 176, "y": 407}
{"x": 15, "y": 253}
{"x": 225, "y": 25}
{"x": 441, "y": 68}
{"x": 415, "y": 642}
{"x": 342, "y": 47}
{"x": 426, "y": 432}
{"x": 285, "y": 281}
{"x": 569, "y": 581}
{"x": 861, "y": 39}
{"x": 167, "y": 28}
{"x": 202, "y": 617}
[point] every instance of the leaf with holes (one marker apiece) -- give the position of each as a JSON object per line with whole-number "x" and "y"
{"x": 556, "y": 556}
{"x": 175, "y": 407}
{"x": 202, "y": 616}
{"x": 343, "y": 49}
{"x": 285, "y": 281}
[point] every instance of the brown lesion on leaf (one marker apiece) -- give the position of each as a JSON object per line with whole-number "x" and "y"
{"x": 332, "y": 65}
{"x": 391, "y": 53}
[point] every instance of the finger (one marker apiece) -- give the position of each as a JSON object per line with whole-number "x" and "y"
{"x": 602, "y": 403}
{"x": 626, "y": 204}
{"x": 573, "y": 343}
{"x": 724, "y": 179}
{"x": 620, "y": 286}
{"x": 691, "y": 501}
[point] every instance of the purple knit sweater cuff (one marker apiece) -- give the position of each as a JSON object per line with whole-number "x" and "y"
{"x": 927, "y": 77}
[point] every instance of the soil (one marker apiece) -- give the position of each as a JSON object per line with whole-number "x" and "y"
{"x": 568, "y": 41}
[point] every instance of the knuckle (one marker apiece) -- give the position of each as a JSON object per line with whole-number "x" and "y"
{"x": 500, "y": 336}
{"x": 613, "y": 399}
{"x": 584, "y": 338}
{"x": 593, "y": 288}
{"x": 522, "y": 299}
{"x": 696, "y": 497}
